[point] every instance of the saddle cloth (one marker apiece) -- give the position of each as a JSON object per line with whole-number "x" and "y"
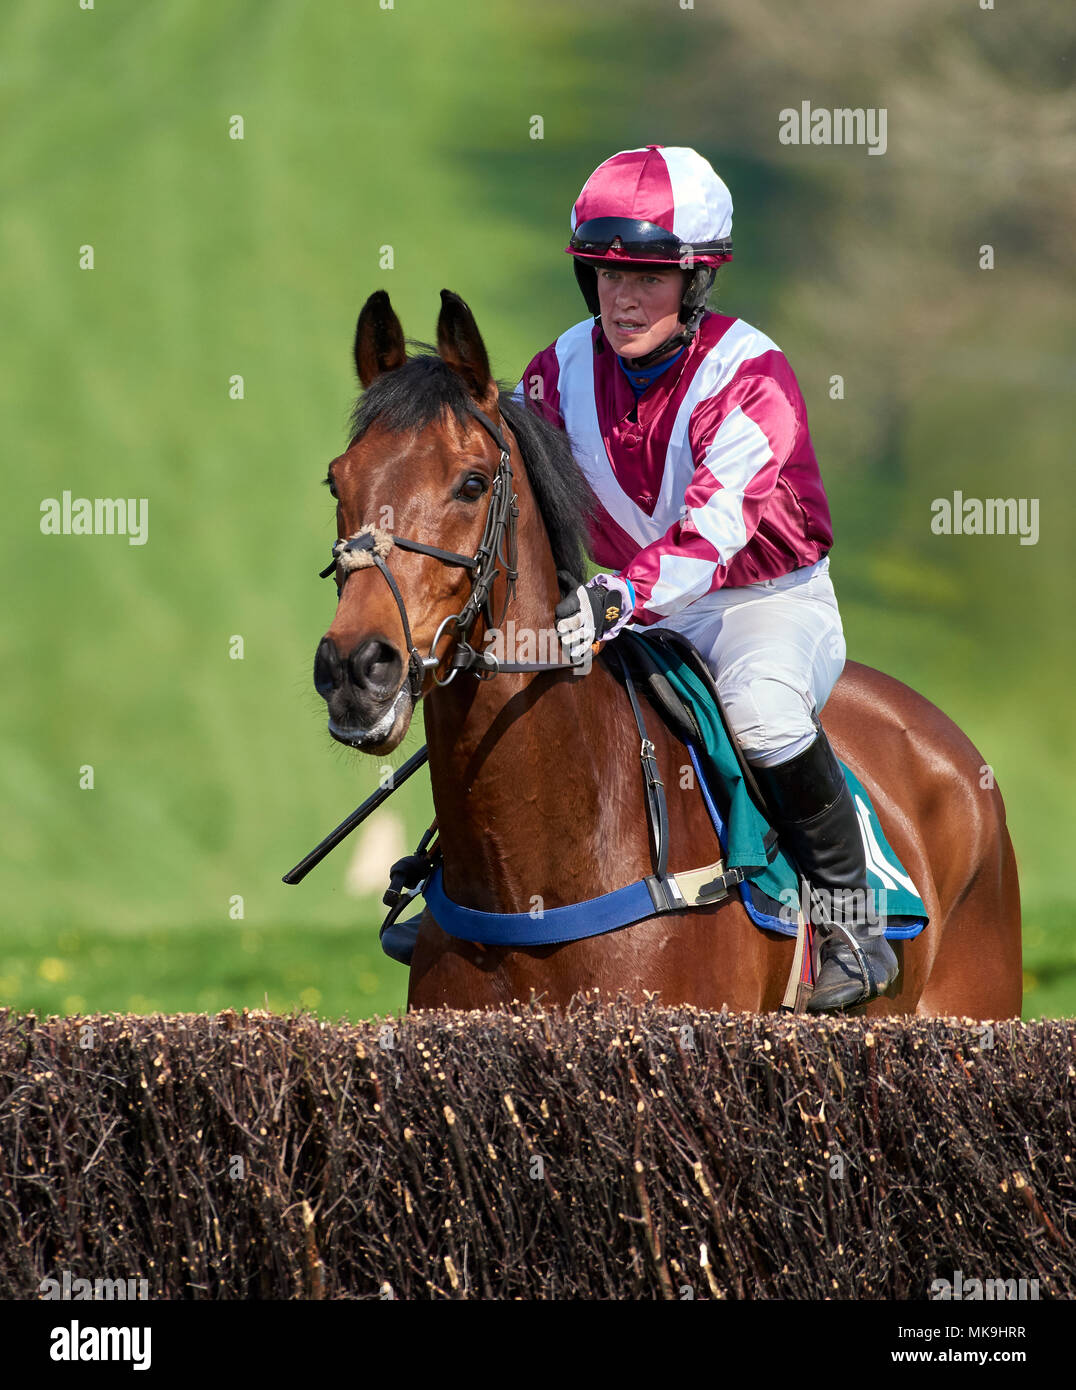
{"x": 679, "y": 685}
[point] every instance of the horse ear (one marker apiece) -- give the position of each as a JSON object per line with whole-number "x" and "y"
{"x": 460, "y": 344}
{"x": 379, "y": 339}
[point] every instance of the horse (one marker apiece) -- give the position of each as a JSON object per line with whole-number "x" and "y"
{"x": 535, "y": 774}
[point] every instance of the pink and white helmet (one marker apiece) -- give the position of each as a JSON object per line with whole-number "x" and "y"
{"x": 652, "y": 206}
{"x": 656, "y": 204}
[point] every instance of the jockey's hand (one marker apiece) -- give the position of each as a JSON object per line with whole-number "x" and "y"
{"x": 595, "y": 612}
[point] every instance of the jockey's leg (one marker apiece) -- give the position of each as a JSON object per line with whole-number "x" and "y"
{"x": 817, "y": 822}
{"x": 776, "y": 650}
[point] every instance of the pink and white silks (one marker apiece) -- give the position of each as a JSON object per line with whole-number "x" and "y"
{"x": 711, "y": 503}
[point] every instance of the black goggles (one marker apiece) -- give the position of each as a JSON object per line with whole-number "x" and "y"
{"x": 599, "y": 235}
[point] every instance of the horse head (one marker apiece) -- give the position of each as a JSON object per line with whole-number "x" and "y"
{"x": 425, "y": 522}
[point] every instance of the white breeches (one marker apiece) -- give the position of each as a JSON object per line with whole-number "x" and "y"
{"x": 776, "y": 650}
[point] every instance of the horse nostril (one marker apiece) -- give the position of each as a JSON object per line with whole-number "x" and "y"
{"x": 326, "y": 668}
{"x": 375, "y": 666}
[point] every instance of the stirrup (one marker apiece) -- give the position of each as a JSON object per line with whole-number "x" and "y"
{"x": 407, "y": 878}
{"x": 873, "y": 983}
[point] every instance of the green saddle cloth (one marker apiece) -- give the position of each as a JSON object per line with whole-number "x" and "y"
{"x": 745, "y": 830}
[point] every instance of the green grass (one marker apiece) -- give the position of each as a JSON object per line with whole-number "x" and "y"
{"x": 336, "y": 972}
{"x": 216, "y": 257}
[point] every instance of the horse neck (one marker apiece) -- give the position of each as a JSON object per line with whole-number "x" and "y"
{"x": 532, "y": 774}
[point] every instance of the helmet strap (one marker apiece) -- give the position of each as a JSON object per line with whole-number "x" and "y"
{"x": 692, "y": 305}
{"x": 692, "y": 308}
{"x": 587, "y": 277}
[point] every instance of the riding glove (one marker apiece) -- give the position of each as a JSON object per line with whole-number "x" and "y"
{"x": 595, "y": 612}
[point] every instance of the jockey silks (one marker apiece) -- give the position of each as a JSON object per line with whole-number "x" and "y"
{"x": 714, "y": 482}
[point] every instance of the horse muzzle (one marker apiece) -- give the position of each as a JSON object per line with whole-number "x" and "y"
{"x": 368, "y": 694}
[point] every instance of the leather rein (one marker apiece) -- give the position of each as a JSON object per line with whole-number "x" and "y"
{"x": 370, "y": 545}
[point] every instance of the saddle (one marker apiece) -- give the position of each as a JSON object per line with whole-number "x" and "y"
{"x": 681, "y": 688}
{"x": 680, "y": 712}
{"x": 638, "y": 649}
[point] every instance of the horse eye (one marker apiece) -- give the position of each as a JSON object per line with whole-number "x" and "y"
{"x": 472, "y": 488}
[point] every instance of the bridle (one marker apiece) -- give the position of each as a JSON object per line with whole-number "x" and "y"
{"x": 370, "y": 545}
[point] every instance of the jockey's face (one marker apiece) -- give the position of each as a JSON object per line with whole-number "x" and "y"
{"x": 640, "y": 308}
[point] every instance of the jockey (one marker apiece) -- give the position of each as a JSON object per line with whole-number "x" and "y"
{"x": 692, "y": 432}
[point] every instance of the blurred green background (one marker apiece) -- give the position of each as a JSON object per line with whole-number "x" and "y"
{"x": 412, "y": 127}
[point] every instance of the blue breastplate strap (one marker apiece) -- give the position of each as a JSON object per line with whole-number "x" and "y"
{"x": 649, "y": 897}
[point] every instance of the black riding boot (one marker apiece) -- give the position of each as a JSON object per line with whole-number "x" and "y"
{"x": 816, "y": 820}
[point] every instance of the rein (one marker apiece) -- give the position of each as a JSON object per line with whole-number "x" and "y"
{"x": 370, "y": 545}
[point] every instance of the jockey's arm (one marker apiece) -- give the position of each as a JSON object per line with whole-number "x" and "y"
{"x": 738, "y": 455}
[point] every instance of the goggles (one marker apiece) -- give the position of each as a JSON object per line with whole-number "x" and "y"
{"x": 643, "y": 240}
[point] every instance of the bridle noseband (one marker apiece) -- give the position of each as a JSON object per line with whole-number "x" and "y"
{"x": 370, "y": 546}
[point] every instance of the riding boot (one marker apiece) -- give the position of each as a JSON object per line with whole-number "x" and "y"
{"x": 816, "y": 821}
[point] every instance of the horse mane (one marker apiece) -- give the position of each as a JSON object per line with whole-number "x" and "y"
{"x": 425, "y": 387}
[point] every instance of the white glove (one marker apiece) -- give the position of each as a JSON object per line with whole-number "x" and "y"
{"x": 595, "y": 612}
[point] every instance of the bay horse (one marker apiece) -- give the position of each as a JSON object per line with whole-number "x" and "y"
{"x": 536, "y": 778}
